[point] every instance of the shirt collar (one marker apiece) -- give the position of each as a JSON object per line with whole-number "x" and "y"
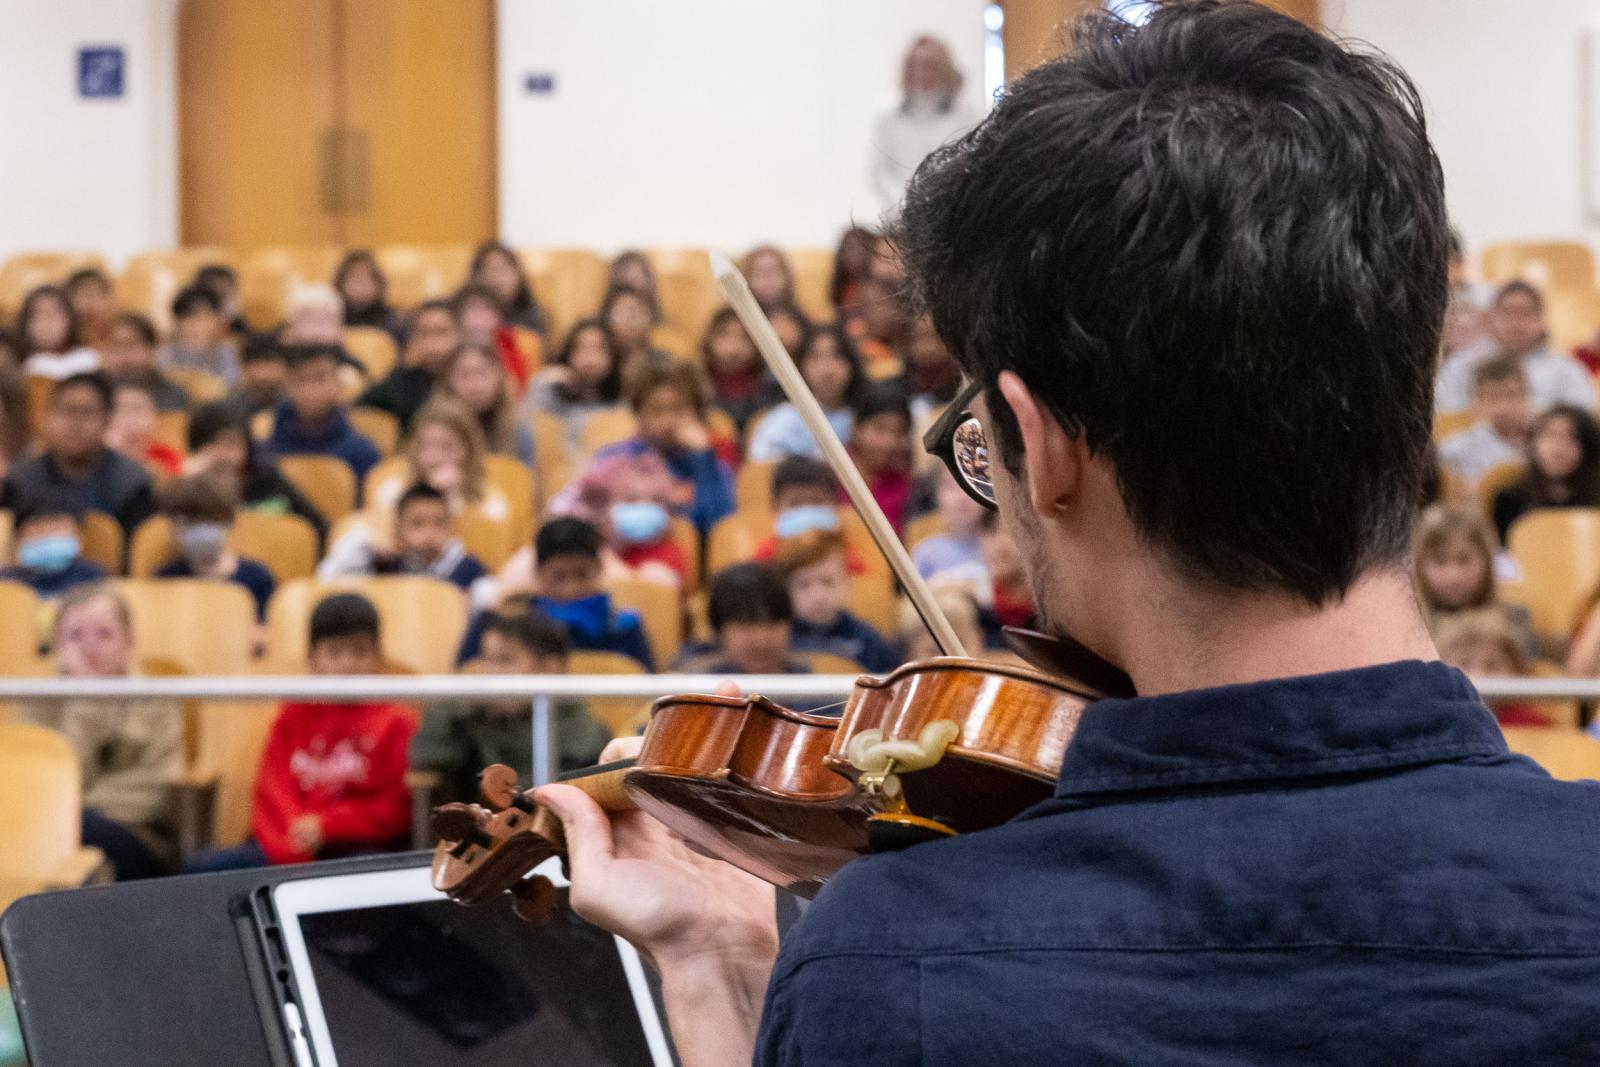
{"x": 1393, "y": 715}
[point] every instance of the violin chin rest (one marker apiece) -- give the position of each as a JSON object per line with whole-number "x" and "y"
{"x": 893, "y": 831}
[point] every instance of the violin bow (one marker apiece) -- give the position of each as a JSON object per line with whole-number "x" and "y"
{"x": 736, "y": 291}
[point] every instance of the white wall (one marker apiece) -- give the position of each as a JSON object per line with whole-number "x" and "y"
{"x": 92, "y": 174}
{"x": 698, "y": 122}
{"x": 1500, "y": 85}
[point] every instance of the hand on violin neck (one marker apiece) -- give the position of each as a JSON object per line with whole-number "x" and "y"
{"x": 634, "y": 877}
{"x": 706, "y": 926}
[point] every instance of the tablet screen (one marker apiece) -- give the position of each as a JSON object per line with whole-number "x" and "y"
{"x": 431, "y": 982}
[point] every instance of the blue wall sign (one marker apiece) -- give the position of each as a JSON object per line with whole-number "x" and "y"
{"x": 535, "y": 84}
{"x": 101, "y": 71}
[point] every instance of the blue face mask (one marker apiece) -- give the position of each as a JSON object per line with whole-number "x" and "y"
{"x": 792, "y": 522}
{"x": 48, "y": 555}
{"x": 639, "y": 522}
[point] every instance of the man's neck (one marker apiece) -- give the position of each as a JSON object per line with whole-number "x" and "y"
{"x": 1200, "y": 641}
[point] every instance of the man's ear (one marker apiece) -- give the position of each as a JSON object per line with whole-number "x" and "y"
{"x": 1052, "y": 462}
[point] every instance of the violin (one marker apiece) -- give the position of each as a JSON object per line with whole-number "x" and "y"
{"x": 936, "y": 747}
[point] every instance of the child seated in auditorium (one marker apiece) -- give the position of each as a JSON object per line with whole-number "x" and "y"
{"x": 668, "y": 398}
{"x": 201, "y": 509}
{"x": 955, "y": 554}
{"x": 425, "y": 543}
{"x": 458, "y": 740}
{"x": 567, "y": 590}
{"x": 813, "y": 569}
{"x": 129, "y": 355}
{"x": 313, "y": 420}
{"x": 132, "y": 429}
{"x": 200, "y": 338}
{"x": 50, "y": 546}
{"x": 93, "y": 303}
{"x": 446, "y": 450}
{"x": 481, "y": 320}
{"x": 332, "y": 776}
{"x": 961, "y": 611}
{"x": 805, "y": 497}
{"x": 130, "y": 752}
{"x": 47, "y": 332}
{"x": 584, "y": 377}
{"x": 1453, "y": 571}
{"x": 751, "y": 620}
{"x": 740, "y": 382}
{"x": 475, "y": 377}
{"x": 880, "y": 444}
{"x": 430, "y": 336}
{"x": 1482, "y": 642}
{"x": 630, "y": 315}
{"x": 220, "y": 445}
{"x": 628, "y": 498}
{"x": 1500, "y": 434}
{"x": 832, "y": 370}
{"x": 263, "y": 372}
{"x": 1009, "y": 600}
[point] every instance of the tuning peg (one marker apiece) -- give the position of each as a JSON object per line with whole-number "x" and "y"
{"x": 459, "y": 822}
{"x": 500, "y": 790}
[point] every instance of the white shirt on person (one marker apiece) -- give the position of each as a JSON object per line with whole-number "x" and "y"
{"x": 59, "y": 366}
{"x": 902, "y": 137}
{"x": 1552, "y": 379}
{"x": 1473, "y": 452}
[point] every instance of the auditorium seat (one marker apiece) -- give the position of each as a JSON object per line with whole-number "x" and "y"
{"x": 214, "y": 795}
{"x": 40, "y": 814}
{"x": 1572, "y": 313}
{"x": 102, "y": 541}
{"x": 268, "y": 275}
{"x": 203, "y": 387}
{"x": 150, "y": 280}
{"x": 1498, "y": 477}
{"x": 688, "y": 292}
{"x": 22, "y": 623}
{"x": 26, "y": 271}
{"x": 1568, "y": 754}
{"x": 422, "y": 620}
{"x": 379, "y": 426}
{"x": 172, "y": 429}
{"x": 828, "y": 663}
{"x": 733, "y": 540}
{"x": 1545, "y": 264}
{"x": 553, "y": 466}
{"x": 1558, "y": 550}
{"x": 326, "y": 481}
{"x": 569, "y": 284}
{"x": 513, "y": 478}
{"x": 621, "y": 715}
{"x": 285, "y": 544}
{"x": 373, "y": 348}
{"x": 871, "y": 599}
{"x": 752, "y": 488}
{"x": 204, "y": 627}
{"x": 1446, "y": 423}
{"x": 605, "y": 428}
{"x": 923, "y": 527}
{"x": 661, "y": 609}
{"x": 490, "y": 539}
{"x": 813, "y": 275}
{"x": 687, "y": 538}
{"x": 422, "y": 272}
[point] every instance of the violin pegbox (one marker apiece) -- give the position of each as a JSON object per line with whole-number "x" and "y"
{"x": 487, "y": 849}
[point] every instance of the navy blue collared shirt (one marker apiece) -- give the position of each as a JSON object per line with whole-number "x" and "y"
{"x": 1346, "y": 868}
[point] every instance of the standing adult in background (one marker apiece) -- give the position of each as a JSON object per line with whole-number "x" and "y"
{"x": 930, "y": 112}
{"x": 1197, "y": 260}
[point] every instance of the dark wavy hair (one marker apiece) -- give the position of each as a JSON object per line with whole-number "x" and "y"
{"x": 1215, "y": 246}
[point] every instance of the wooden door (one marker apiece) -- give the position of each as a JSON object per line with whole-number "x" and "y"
{"x": 336, "y": 122}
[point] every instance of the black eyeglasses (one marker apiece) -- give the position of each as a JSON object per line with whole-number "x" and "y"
{"x": 957, "y": 438}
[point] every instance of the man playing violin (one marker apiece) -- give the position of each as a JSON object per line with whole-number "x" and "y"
{"x": 1194, "y": 273}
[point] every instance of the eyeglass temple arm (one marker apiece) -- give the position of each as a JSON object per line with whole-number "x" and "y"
{"x": 736, "y": 291}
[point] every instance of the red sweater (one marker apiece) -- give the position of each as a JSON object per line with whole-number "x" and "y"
{"x": 345, "y": 764}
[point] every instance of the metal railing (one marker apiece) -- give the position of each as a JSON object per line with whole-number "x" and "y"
{"x": 541, "y": 690}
